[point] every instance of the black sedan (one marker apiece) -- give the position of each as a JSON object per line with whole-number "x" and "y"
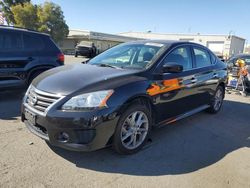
{"x": 118, "y": 96}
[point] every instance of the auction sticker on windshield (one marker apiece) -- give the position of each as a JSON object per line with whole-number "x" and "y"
{"x": 154, "y": 44}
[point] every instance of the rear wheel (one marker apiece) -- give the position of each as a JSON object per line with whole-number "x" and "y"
{"x": 132, "y": 130}
{"x": 217, "y": 100}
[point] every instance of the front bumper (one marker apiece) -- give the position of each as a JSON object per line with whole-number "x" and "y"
{"x": 87, "y": 131}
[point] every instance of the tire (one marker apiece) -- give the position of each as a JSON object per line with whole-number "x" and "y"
{"x": 217, "y": 100}
{"x": 34, "y": 75}
{"x": 76, "y": 54}
{"x": 138, "y": 133}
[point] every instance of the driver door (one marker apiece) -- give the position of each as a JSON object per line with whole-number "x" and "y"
{"x": 176, "y": 90}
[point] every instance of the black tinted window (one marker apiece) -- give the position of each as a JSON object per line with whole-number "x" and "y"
{"x": 180, "y": 56}
{"x": 49, "y": 44}
{"x": 10, "y": 41}
{"x": 32, "y": 42}
{"x": 202, "y": 57}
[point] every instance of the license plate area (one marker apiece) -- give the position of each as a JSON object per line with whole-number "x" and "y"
{"x": 30, "y": 117}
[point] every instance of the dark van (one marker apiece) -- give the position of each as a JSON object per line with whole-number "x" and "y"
{"x": 24, "y": 54}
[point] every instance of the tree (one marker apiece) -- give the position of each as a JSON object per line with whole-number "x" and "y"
{"x": 5, "y": 5}
{"x": 51, "y": 21}
{"x": 25, "y": 16}
{"x": 47, "y": 17}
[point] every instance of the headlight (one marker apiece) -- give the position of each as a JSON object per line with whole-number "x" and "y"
{"x": 26, "y": 94}
{"x": 88, "y": 100}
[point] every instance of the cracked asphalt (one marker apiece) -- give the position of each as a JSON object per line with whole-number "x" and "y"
{"x": 200, "y": 151}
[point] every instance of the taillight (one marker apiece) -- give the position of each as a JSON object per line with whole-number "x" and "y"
{"x": 60, "y": 58}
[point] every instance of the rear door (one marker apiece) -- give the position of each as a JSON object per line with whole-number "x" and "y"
{"x": 206, "y": 75}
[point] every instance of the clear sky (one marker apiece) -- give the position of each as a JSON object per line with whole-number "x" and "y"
{"x": 161, "y": 16}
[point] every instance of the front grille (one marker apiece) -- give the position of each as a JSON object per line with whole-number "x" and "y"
{"x": 40, "y": 101}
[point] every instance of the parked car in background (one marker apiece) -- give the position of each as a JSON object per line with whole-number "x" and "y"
{"x": 118, "y": 96}
{"x": 24, "y": 54}
{"x": 234, "y": 69}
{"x": 85, "y": 48}
{"x": 232, "y": 60}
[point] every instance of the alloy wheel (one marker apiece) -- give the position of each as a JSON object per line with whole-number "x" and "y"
{"x": 218, "y": 99}
{"x": 134, "y": 130}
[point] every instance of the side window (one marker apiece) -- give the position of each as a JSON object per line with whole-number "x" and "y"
{"x": 180, "y": 56}
{"x": 32, "y": 42}
{"x": 213, "y": 58}
{"x": 49, "y": 44}
{"x": 202, "y": 57}
{"x": 10, "y": 41}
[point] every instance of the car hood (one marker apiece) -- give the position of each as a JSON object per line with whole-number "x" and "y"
{"x": 68, "y": 79}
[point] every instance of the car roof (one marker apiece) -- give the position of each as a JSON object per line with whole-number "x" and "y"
{"x": 12, "y": 28}
{"x": 242, "y": 55}
{"x": 164, "y": 42}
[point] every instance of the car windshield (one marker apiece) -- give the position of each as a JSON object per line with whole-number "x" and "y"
{"x": 129, "y": 56}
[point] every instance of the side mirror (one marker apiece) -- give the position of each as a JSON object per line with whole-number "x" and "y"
{"x": 172, "y": 68}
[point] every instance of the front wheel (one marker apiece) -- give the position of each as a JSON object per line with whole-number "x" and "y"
{"x": 132, "y": 130}
{"x": 217, "y": 100}
{"x": 33, "y": 75}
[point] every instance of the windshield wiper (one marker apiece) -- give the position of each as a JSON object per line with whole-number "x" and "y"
{"x": 107, "y": 65}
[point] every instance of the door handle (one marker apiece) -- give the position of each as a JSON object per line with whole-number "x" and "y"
{"x": 30, "y": 58}
{"x": 194, "y": 80}
{"x": 215, "y": 75}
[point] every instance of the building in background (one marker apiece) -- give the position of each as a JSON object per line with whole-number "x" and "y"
{"x": 223, "y": 46}
{"x": 102, "y": 41}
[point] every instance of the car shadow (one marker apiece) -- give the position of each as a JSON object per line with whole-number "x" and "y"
{"x": 182, "y": 147}
{"x": 10, "y": 104}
